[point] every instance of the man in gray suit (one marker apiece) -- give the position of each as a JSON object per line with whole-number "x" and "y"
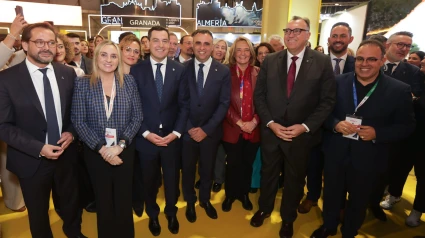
{"x": 294, "y": 95}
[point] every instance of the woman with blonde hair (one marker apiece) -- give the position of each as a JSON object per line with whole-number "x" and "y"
{"x": 97, "y": 40}
{"x": 220, "y": 52}
{"x": 84, "y": 47}
{"x": 241, "y": 135}
{"x": 107, "y": 113}
{"x": 131, "y": 49}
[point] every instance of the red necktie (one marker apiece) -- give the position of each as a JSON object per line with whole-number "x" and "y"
{"x": 291, "y": 75}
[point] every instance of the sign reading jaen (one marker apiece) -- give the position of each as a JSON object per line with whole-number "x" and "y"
{"x": 211, "y": 14}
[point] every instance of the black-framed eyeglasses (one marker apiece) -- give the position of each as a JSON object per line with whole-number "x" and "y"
{"x": 296, "y": 31}
{"x": 369, "y": 60}
{"x": 401, "y": 45}
{"x": 42, "y": 43}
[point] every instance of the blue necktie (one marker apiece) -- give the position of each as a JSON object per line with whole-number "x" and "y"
{"x": 200, "y": 83}
{"x": 53, "y": 133}
{"x": 158, "y": 80}
{"x": 337, "y": 70}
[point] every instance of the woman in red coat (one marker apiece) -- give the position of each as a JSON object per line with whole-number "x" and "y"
{"x": 241, "y": 135}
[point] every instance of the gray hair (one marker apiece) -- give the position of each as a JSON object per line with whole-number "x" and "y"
{"x": 278, "y": 38}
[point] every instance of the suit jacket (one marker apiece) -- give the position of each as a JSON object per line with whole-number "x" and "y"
{"x": 172, "y": 111}
{"x": 89, "y": 116}
{"x": 209, "y": 110}
{"x": 310, "y": 102}
{"x": 231, "y": 131}
{"x": 22, "y": 121}
{"x": 388, "y": 110}
{"x": 410, "y": 75}
{"x": 349, "y": 64}
{"x": 86, "y": 65}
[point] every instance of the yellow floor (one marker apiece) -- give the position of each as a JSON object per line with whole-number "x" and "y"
{"x": 234, "y": 224}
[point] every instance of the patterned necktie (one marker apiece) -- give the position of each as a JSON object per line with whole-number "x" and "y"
{"x": 389, "y": 70}
{"x": 159, "y": 81}
{"x": 53, "y": 134}
{"x": 200, "y": 82}
{"x": 337, "y": 70}
{"x": 291, "y": 76}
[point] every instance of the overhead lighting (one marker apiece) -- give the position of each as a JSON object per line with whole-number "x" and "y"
{"x": 336, "y": 4}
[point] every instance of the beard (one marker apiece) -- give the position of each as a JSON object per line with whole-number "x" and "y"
{"x": 37, "y": 58}
{"x": 334, "y": 50}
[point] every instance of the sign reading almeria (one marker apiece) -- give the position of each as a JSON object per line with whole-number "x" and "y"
{"x": 220, "y": 22}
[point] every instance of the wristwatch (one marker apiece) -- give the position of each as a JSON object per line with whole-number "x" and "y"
{"x": 122, "y": 144}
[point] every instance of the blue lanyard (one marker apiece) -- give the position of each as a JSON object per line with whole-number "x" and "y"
{"x": 357, "y": 106}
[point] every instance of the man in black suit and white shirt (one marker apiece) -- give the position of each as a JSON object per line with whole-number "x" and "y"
{"x": 35, "y": 105}
{"x": 294, "y": 95}
{"x": 186, "y": 49}
{"x": 80, "y": 60}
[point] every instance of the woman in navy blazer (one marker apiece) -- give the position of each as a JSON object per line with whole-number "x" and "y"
{"x": 107, "y": 113}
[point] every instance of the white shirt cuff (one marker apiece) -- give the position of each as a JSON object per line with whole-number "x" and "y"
{"x": 268, "y": 123}
{"x": 177, "y": 134}
{"x": 306, "y": 127}
{"x": 146, "y": 133}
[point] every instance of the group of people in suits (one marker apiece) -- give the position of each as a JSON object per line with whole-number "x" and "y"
{"x": 308, "y": 111}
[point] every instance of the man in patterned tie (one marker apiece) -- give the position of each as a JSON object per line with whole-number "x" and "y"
{"x": 294, "y": 95}
{"x": 163, "y": 92}
{"x": 209, "y": 89}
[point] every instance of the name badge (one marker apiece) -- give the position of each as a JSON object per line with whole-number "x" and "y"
{"x": 355, "y": 120}
{"x": 110, "y": 137}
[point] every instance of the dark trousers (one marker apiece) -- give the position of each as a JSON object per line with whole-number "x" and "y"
{"x": 206, "y": 152}
{"x": 240, "y": 157}
{"x": 167, "y": 159}
{"x": 341, "y": 175}
{"x": 138, "y": 197}
{"x": 61, "y": 173}
{"x": 294, "y": 155}
{"x": 113, "y": 186}
{"x": 220, "y": 166}
{"x": 314, "y": 173}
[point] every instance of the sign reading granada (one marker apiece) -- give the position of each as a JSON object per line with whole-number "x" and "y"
{"x": 143, "y": 22}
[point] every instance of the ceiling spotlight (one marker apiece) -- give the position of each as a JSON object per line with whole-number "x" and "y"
{"x": 336, "y": 4}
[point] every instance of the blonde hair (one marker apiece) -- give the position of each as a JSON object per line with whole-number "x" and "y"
{"x": 69, "y": 50}
{"x": 127, "y": 40}
{"x": 119, "y": 72}
{"x": 225, "y": 60}
{"x": 232, "y": 60}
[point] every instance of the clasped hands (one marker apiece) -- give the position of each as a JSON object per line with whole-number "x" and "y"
{"x": 197, "y": 134}
{"x": 110, "y": 154}
{"x": 54, "y": 151}
{"x": 287, "y": 133}
{"x": 161, "y": 141}
{"x": 247, "y": 126}
{"x": 366, "y": 133}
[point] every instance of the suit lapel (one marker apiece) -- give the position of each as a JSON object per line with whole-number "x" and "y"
{"x": 29, "y": 88}
{"x": 282, "y": 70}
{"x": 151, "y": 79}
{"x": 60, "y": 79}
{"x": 304, "y": 69}
{"x": 211, "y": 75}
{"x": 192, "y": 75}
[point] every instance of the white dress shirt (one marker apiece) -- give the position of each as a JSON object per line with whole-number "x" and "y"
{"x": 341, "y": 63}
{"x": 37, "y": 80}
{"x": 182, "y": 60}
{"x": 205, "y": 69}
{"x": 394, "y": 67}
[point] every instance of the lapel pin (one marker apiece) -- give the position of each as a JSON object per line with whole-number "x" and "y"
{"x": 307, "y": 61}
{"x": 62, "y": 77}
{"x": 174, "y": 69}
{"x": 215, "y": 70}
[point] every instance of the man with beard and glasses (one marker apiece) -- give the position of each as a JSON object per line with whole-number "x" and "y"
{"x": 186, "y": 49}
{"x": 408, "y": 152}
{"x": 79, "y": 60}
{"x": 174, "y": 45}
{"x": 342, "y": 63}
{"x": 35, "y": 105}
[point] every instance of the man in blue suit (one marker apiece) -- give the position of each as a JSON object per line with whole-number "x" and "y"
{"x": 209, "y": 88}
{"x": 372, "y": 111}
{"x": 163, "y": 92}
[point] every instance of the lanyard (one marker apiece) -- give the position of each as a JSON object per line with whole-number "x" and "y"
{"x": 365, "y": 98}
{"x": 108, "y": 109}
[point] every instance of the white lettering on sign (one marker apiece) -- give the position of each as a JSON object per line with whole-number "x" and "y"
{"x": 111, "y": 20}
{"x": 220, "y": 22}
{"x": 144, "y": 23}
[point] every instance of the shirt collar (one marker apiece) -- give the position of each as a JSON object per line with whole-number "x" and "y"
{"x": 163, "y": 62}
{"x": 300, "y": 55}
{"x": 344, "y": 57}
{"x": 32, "y": 68}
{"x": 206, "y": 63}
{"x": 389, "y": 62}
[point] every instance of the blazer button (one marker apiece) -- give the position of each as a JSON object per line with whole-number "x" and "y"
{"x": 199, "y": 105}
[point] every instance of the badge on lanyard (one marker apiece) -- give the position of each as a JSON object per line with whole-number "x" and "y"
{"x": 355, "y": 120}
{"x": 110, "y": 137}
{"x": 110, "y": 133}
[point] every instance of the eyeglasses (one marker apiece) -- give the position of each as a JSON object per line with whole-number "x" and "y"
{"x": 128, "y": 50}
{"x": 42, "y": 43}
{"x": 296, "y": 31}
{"x": 401, "y": 45}
{"x": 370, "y": 60}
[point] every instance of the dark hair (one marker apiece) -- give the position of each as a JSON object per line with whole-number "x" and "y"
{"x": 419, "y": 53}
{"x": 143, "y": 37}
{"x": 124, "y": 34}
{"x": 265, "y": 44}
{"x": 172, "y": 34}
{"x": 379, "y": 38}
{"x": 91, "y": 40}
{"x": 305, "y": 19}
{"x": 375, "y": 43}
{"x": 202, "y": 31}
{"x": 182, "y": 39}
{"x": 72, "y": 35}
{"x": 350, "y": 31}
{"x": 26, "y": 33}
{"x": 158, "y": 28}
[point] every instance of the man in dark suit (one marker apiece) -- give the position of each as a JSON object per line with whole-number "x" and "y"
{"x": 294, "y": 95}
{"x": 209, "y": 88}
{"x": 186, "y": 49}
{"x": 35, "y": 101}
{"x": 338, "y": 41}
{"x": 403, "y": 152}
{"x": 80, "y": 60}
{"x": 163, "y": 92}
{"x": 358, "y": 137}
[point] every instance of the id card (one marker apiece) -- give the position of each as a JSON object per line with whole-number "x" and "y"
{"x": 355, "y": 120}
{"x": 110, "y": 137}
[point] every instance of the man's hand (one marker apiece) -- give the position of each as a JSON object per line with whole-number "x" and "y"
{"x": 367, "y": 133}
{"x": 199, "y": 134}
{"x": 17, "y": 25}
{"x": 280, "y": 131}
{"x": 156, "y": 139}
{"x": 192, "y": 131}
{"x": 295, "y": 130}
{"x": 346, "y": 128}
{"x": 168, "y": 139}
{"x": 111, "y": 152}
{"x": 65, "y": 140}
{"x": 51, "y": 151}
